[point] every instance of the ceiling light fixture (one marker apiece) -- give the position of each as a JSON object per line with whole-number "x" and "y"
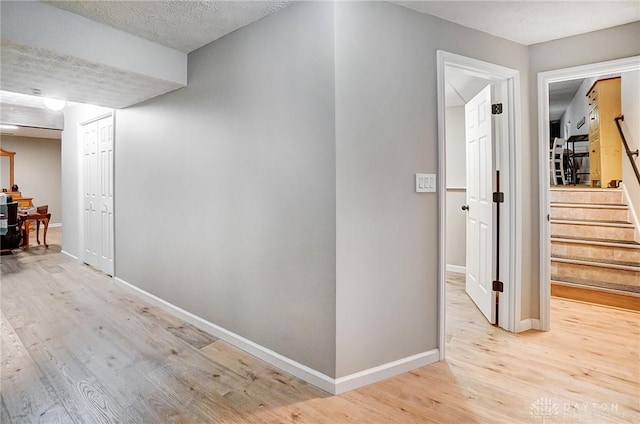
{"x": 8, "y": 127}
{"x": 54, "y": 104}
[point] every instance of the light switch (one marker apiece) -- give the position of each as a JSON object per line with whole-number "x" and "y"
{"x": 425, "y": 183}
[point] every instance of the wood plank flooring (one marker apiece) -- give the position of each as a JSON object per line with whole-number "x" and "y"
{"x": 75, "y": 348}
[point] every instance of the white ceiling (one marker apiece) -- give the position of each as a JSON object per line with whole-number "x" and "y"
{"x": 24, "y": 110}
{"x": 460, "y": 87}
{"x": 34, "y": 133}
{"x": 188, "y": 25}
{"x": 531, "y": 22}
{"x": 560, "y": 96}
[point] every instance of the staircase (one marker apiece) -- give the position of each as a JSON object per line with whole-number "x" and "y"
{"x": 594, "y": 256}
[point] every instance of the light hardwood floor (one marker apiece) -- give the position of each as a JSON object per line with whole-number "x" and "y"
{"x": 76, "y": 348}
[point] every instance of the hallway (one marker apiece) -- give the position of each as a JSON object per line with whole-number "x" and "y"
{"x": 76, "y": 348}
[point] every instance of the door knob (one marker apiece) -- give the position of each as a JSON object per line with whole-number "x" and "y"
{"x": 465, "y": 207}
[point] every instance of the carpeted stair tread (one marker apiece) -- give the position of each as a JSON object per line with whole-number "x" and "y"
{"x": 596, "y": 262}
{"x": 598, "y": 284}
{"x": 630, "y": 243}
{"x": 584, "y": 188}
{"x": 590, "y": 221}
{"x": 589, "y": 205}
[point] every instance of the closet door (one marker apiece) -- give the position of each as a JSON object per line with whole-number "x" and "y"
{"x": 98, "y": 178}
{"x": 90, "y": 190}
{"x": 105, "y": 200}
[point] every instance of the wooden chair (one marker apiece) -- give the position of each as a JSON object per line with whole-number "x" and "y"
{"x": 556, "y": 162}
{"x": 41, "y": 210}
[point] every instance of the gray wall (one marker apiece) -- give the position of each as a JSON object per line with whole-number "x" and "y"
{"x": 386, "y": 131}
{"x": 598, "y": 46}
{"x": 37, "y": 171}
{"x": 277, "y": 189}
{"x": 225, "y": 190}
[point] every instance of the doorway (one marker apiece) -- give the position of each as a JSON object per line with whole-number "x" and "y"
{"x": 545, "y": 79}
{"x": 505, "y": 85}
{"x": 97, "y": 193}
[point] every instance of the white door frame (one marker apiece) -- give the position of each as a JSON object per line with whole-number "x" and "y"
{"x": 544, "y": 79}
{"x": 81, "y": 187}
{"x": 511, "y": 180}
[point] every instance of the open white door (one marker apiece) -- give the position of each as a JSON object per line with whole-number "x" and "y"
{"x": 478, "y": 136}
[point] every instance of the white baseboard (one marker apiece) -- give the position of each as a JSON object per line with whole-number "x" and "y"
{"x": 457, "y": 268}
{"x": 318, "y": 379}
{"x": 382, "y": 372}
{"x": 55, "y": 225}
{"x": 70, "y": 255}
{"x": 529, "y": 324}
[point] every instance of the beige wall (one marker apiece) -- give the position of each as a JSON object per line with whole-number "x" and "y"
{"x": 37, "y": 171}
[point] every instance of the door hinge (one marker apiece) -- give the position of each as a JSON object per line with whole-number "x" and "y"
{"x": 498, "y": 286}
{"x": 498, "y": 197}
{"x": 496, "y": 109}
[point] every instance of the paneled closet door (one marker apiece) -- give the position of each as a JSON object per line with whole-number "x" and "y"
{"x": 98, "y": 194}
{"x": 105, "y": 179}
{"x": 90, "y": 191}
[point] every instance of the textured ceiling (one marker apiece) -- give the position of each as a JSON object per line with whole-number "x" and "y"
{"x": 183, "y": 25}
{"x": 24, "y": 68}
{"x": 28, "y": 111}
{"x": 532, "y": 22}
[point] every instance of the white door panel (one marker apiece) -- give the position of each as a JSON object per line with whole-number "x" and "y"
{"x": 478, "y": 136}
{"x": 90, "y": 137}
{"x": 98, "y": 194}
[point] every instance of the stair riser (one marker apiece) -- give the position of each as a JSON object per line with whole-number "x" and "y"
{"x": 601, "y": 214}
{"x": 587, "y": 294}
{"x": 591, "y": 231}
{"x": 594, "y": 251}
{"x": 586, "y": 272}
{"x": 600, "y": 197}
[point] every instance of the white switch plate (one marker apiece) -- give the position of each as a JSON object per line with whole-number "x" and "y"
{"x": 425, "y": 183}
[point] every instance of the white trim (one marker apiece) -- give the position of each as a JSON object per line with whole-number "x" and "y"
{"x": 544, "y": 79}
{"x": 382, "y": 372}
{"x": 633, "y": 216}
{"x": 457, "y": 268}
{"x": 442, "y": 201}
{"x": 55, "y": 225}
{"x": 318, "y": 379}
{"x": 529, "y": 324}
{"x": 64, "y": 252}
{"x": 510, "y": 140}
{"x": 292, "y": 367}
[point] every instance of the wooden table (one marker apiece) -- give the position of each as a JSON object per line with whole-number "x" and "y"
{"x": 23, "y": 225}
